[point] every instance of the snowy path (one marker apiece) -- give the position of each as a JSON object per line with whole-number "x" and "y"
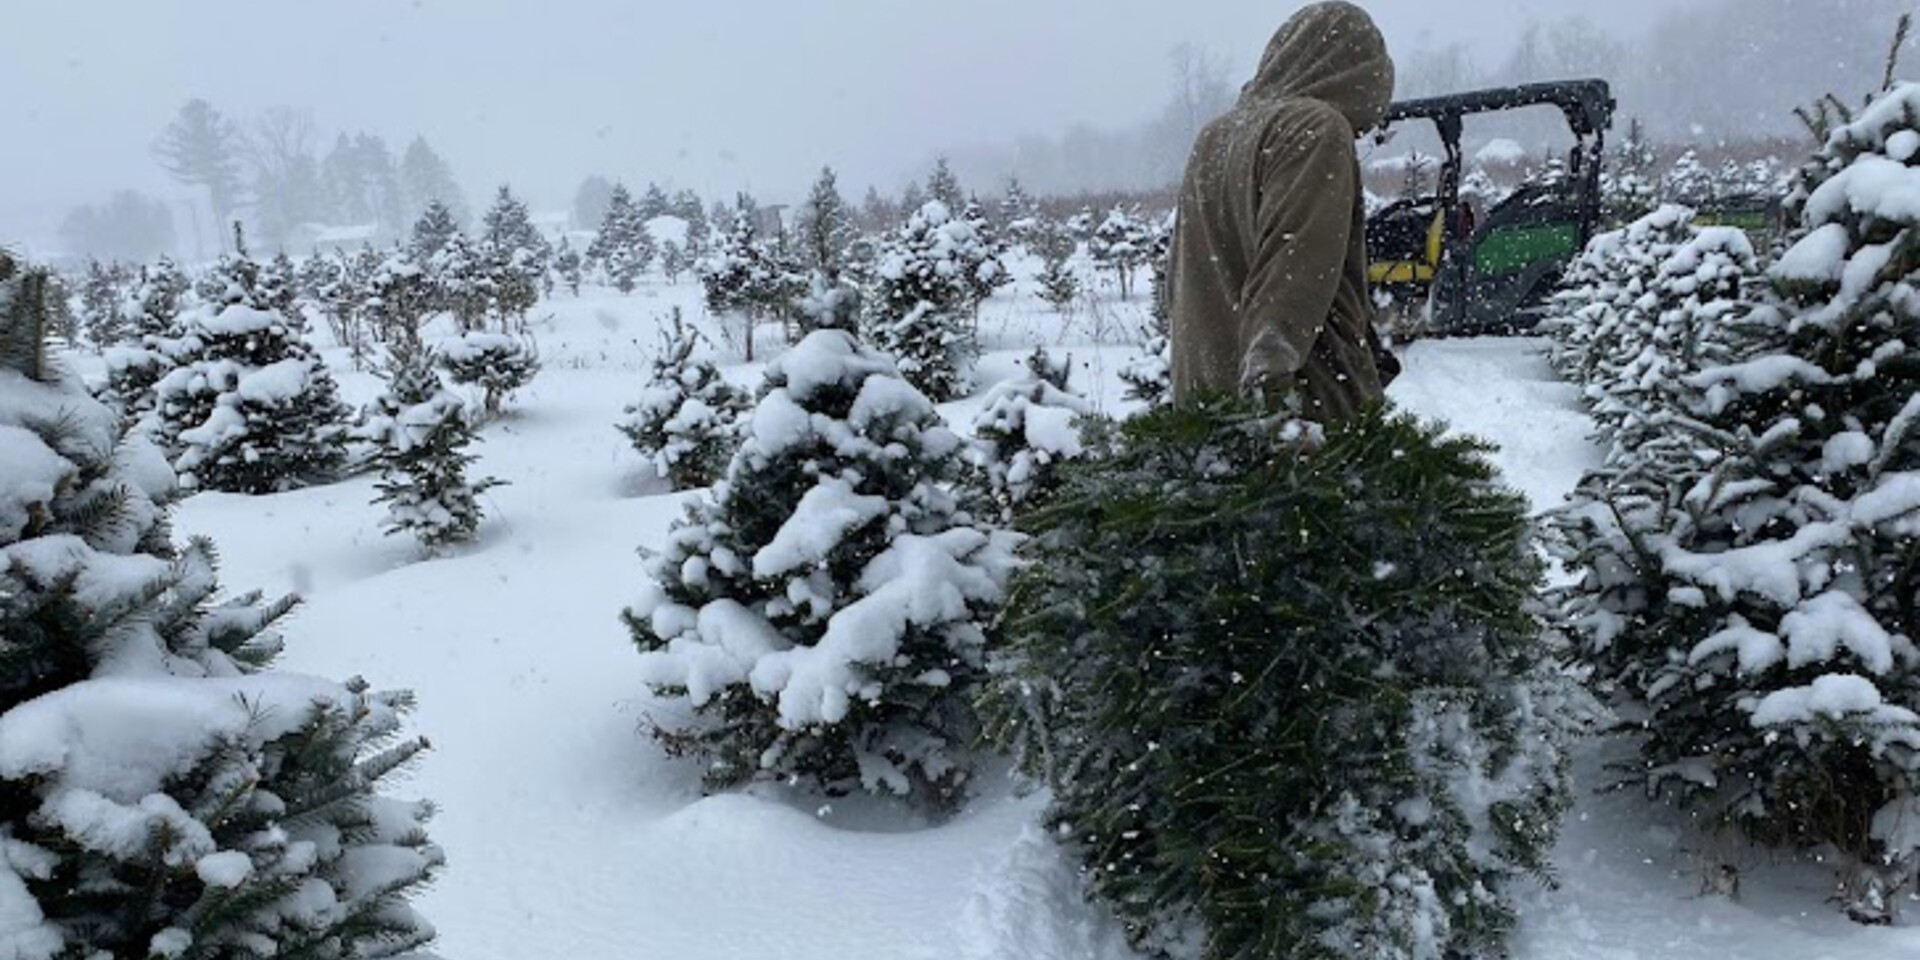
{"x": 570, "y": 836}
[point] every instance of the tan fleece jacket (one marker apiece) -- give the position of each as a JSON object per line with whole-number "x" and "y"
{"x": 1268, "y": 287}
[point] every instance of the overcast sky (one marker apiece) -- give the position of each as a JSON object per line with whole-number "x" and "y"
{"x": 715, "y": 94}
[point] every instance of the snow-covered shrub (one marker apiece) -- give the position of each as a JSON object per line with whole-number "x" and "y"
{"x": 1288, "y": 704}
{"x": 918, "y": 308}
{"x": 1026, "y": 430}
{"x": 825, "y": 610}
{"x": 422, "y": 430}
{"x": 1757, "y": 613}
{"x": 495, "y": 363}
{"x": 161, "y": 793}
{"x": 249, "y": 408}
{"x": 688, "y": 420}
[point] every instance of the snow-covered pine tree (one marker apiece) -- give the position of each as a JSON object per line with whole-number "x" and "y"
{"x": 508, "y": 226}
{"x": 397, "y": 297}
{"x": 250, "y": 407}
{"x": 132, "y": 370}
{"x": 825, "y": 611}
{"x": 514, "y": 255}
{"x": 1122, "y": 243}
{"x": 623, "y": 248}
{"x": 1059, "y": 282}
{"x": 688, "y": 420}
{"x": 918, "y": 308}
{"x": 280, "y": 285}
{"x": 343, "y": 297}
{"x": 745, "y": 276}
{"x": 1629, "y": 188}
{"x": 826, "y": 227}
{"x": 675, "y": 261}
{"x": 1687, "y": 182}
{"x": 984, "y": 261}
{"x": 463, "y": 282}
{"x": 496, "y": 364}
{"x": 1027, "y": 429}
{"x": 422, "y": 431}
{"x": 944, "y": 187}
{"x": 162, "y": 294}
{"x": 1695, "y": 294}
{"x": 1601, "y": 319}
{"x": 103, "y": 305}
{"x": 1288, "y": 704}
{"x": 653, "y": 203}
{"x": 1020, "y": 215}
{"x": 163, "y": 794}
{"x": 566, "y": 265}
{"x": 1760, "y": 617}
{"x": 435, "y": 227}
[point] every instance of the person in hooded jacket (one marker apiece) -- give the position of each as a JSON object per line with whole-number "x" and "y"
{"x": 1268, "y": 282}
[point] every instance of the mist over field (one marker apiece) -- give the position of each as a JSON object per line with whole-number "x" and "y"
{"x": 1070, "y": 95}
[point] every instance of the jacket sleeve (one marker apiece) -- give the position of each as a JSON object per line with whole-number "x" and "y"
{"x": 1306, "y": 179}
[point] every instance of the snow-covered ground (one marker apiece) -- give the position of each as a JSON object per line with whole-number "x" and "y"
{"x": 569, "y": 834}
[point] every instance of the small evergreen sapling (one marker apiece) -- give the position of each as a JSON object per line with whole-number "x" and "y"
{"x": 566, "y": 265}
{"x": 250, "y": 408}
{"x": 825, "y": 610}
{"x": 1123, "y": 243}
{"x": 687, "y": 423}
{"x": 1059, "y": 281}
{"x": 917, "y": 310}
{"x": 623, "y": 248}
{"x": 423, "y": 430}
{"x": 747, "y": 276}
{"x": 495, "y": 363}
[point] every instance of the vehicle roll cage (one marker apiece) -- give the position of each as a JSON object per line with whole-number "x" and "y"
{"x": 1588, "y": 106}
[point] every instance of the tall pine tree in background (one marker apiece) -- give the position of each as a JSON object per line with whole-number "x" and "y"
{"x": 428, "y": 180}
{"x": 201, "y": 148}
{"x": 163, "y": 794}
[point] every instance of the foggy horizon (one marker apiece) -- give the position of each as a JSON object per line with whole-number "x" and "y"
{"x": 754, "y": 96}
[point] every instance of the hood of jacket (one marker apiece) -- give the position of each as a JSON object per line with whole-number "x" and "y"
{"x": 1330, "y": 52}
